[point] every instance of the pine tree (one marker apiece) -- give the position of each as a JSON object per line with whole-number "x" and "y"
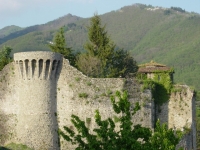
{"x": 59, "y": 46}
{"x": 113, "y": 62}
{"x": 100, "y": 44}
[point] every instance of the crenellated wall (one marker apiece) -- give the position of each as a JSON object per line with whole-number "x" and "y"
{"x": 40, "y": 91}
{"x": 37, "y": 65}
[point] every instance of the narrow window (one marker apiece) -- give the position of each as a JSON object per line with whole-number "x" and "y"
{"x": 57, "y": 67}
{"x": 47, "y": 68}
{"x": 21, "y": 67}
{"x": 40, "y": 67}
{"x": 33, "y": 63}
{"x": 54, "y": 65}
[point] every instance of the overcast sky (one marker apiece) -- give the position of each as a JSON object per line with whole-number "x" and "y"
{"x": 25, "y": 13}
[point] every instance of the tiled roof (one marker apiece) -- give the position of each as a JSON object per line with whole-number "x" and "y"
{"x": 153, "y": 64}
{"x": 152, "y": 67}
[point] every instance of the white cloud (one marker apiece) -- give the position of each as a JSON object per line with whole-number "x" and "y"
{"x": 16, "y": 5}
{"x": 9, "y": 5}
{"x": 20, "y": 12}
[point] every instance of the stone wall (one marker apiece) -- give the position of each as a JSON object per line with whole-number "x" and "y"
{"x": 73, "y": 83}
{"x": 179, "y": 113}
{"x": 8, "y": 104}
{"x": 39, "y": 92}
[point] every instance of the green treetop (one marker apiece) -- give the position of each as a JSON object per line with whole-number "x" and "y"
{"x": 5, "y": 56}
{"x": 59, "y": 46}
{"x": 100, "y": 44}
{"x": 102, "y": 58}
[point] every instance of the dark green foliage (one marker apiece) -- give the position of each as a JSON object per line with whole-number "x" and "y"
{"x": 178, "y": 9}
{"x": 89, "y": 65}
{"x": 83, "y": 95}
{"x": 59, "y": 46}
{"x": 13, "y": 146}
{"x": 161, "y": 85}
{"x": 160, "y": 94}
{"x": 198, "y": 125}
{"x": 123, "y": 64}
{"x": 167, "y": 12}
{"x": 3, "y": 148}
{"x": 102, "y": 59}
{"x": 106, "y": 137}
{"x": 100, "y": 44}
{"x": 5, "y": 56}
{"x": 164, "y": 138}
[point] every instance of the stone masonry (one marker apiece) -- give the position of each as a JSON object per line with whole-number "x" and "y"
{"x": 40, "y": 91}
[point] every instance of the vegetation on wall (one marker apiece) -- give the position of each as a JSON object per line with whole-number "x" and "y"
{"x": 13, "y": 146}
{"x": 198, "y": 125}
{"x": 4, "y": 56}
{"x": 128, "y": 137}
{"x": 3, "y": 128}
{"x": 161, "y": 85}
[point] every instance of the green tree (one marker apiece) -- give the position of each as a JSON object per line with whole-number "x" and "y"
{"x": 90, "y": 66}
{"x": 113, "y": 62}
{"x": 164, "y": 138}
{"x": 59, "y": 46}
{"x": 128, "y": 137}
{"x": 5, "y": 56}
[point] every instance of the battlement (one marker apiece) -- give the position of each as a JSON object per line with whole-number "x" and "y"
{"x": 37, "y": 65}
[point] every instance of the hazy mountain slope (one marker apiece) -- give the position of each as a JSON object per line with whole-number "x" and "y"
{"x": 8, "y": 30}
{"x": 174, "y": 42}
{"x": 39, "y": 40}
{"x": 52, "y": 25}
{"x": 33, "y": 41}
{"x": 168, "y": 36}
{"x": 130, "y": 24}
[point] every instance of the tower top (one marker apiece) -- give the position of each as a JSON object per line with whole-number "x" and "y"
{"x": 37, "y": 55}
{"x": 38, "y": 64}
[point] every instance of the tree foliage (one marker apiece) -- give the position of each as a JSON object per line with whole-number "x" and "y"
{"x": 89, "y": 65}
{"x": 59, "y": 46}
{"x": 127, "y": 137}
{"x": 110, "y": 61}
{"x": 5, "y": 56}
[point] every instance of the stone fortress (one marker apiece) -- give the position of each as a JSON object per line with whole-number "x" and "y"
{"x": 39, "y": 91}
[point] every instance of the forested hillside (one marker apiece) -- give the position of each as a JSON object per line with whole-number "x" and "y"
{"x": 9, "y": 30}
{"x": 169, "y": 36}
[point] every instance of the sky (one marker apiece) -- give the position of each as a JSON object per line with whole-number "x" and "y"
{"x": 26, "y": 13}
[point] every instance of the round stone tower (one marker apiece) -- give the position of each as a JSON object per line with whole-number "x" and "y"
{"x": 37, "y": 117}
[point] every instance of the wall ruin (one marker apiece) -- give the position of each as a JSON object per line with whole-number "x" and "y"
{"x": 40, "y": 91}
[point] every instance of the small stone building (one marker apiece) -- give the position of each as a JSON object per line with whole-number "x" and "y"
{"x": 148, "y": 70}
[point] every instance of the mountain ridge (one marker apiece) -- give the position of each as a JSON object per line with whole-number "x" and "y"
{"x": 166, "y": 35}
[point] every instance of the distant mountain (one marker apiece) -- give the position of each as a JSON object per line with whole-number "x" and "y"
{"x": 8, "y": 30}
{"x": 52, "y": 25}
{"x": 167, "y": 35}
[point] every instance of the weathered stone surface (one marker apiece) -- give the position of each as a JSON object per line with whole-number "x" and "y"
{"x": 40, "y": 91}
